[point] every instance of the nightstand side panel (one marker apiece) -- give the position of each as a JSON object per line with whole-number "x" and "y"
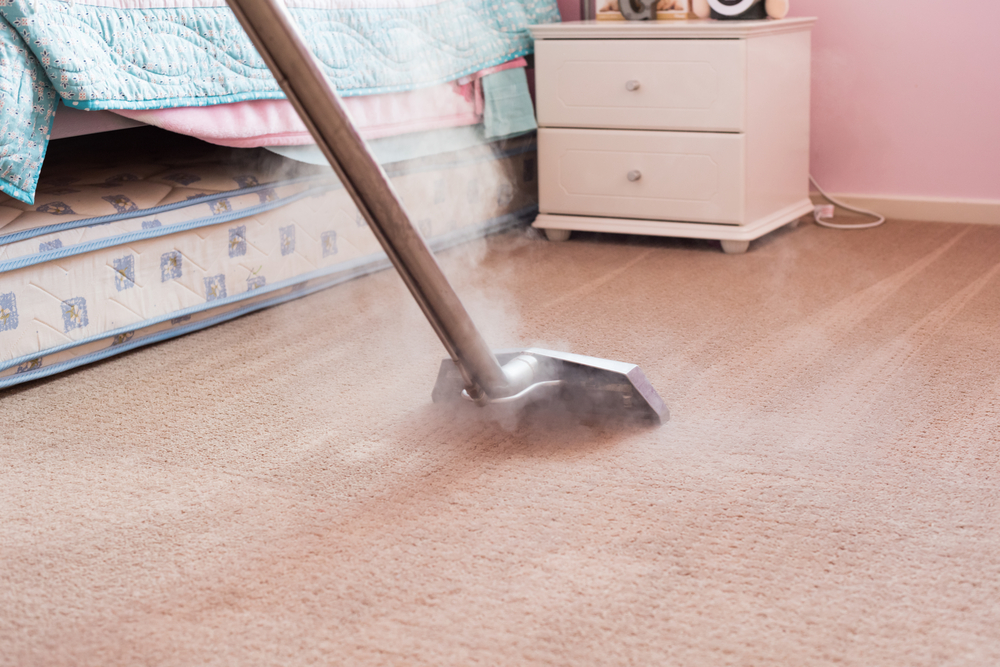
{"x": 778, "y": 81}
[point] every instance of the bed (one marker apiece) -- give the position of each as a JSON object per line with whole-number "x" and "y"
{"x": 216, "y": 203}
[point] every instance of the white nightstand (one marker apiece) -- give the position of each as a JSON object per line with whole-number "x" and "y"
{"x": 697, "y": 129}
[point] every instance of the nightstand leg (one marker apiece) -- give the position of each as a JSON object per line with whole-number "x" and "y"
{"x": 735, "y": 247}
{"x": 557, "y": 234}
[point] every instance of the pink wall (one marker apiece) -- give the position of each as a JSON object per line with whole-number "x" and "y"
{"x": 906, "y": 96}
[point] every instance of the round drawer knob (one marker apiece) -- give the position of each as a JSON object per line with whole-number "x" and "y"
{"x": 634, "y": 175}
{"x": 632, "y": 85}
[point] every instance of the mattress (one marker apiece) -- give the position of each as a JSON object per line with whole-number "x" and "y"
{"x": 118, "y": 254}
{"x": 154, "y": 54}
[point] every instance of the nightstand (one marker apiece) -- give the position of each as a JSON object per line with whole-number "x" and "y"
{"x": 695, "y": 129}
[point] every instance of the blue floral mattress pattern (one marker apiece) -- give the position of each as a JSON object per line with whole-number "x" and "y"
{"x": 126, "y": 256}
{"x": 159, "y": 53}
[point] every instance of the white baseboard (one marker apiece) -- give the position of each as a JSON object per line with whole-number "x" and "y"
{"x": 924, "y": 209}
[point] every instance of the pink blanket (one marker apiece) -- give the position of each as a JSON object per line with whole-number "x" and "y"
{"x": 275, "y": 123}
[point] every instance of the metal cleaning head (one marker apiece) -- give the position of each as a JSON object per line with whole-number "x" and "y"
{"x": 580, "y": 383}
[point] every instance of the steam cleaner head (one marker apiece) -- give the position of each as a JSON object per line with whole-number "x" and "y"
{"x": 579, "y": 383}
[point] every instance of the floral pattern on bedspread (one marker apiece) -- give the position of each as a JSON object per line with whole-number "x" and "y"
{"x": 103, "y": 57}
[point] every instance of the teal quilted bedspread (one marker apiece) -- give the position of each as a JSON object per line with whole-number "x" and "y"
{"x": 150, "y": 54}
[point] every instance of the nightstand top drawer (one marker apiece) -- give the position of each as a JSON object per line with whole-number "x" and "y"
{"x": 641, "y": 84}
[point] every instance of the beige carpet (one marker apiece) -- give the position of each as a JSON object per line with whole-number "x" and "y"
{"x": 279, "y": 490}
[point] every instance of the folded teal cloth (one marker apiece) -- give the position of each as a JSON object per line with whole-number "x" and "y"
{"x": 508, "y": 110}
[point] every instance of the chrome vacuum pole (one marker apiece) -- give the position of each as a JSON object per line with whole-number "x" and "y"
{"x": 473, "y": 365}
{"x": 273, "y": 31}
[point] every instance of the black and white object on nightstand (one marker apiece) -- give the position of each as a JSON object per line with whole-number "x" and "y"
{"x": 695, "y": 129}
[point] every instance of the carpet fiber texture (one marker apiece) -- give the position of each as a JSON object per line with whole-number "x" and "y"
{"x": 279, "y": 490}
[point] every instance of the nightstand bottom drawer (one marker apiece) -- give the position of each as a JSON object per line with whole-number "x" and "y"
{"x": 692, "y": 176}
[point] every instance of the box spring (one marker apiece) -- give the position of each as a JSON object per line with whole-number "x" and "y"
{"x": 119, "y": 253}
